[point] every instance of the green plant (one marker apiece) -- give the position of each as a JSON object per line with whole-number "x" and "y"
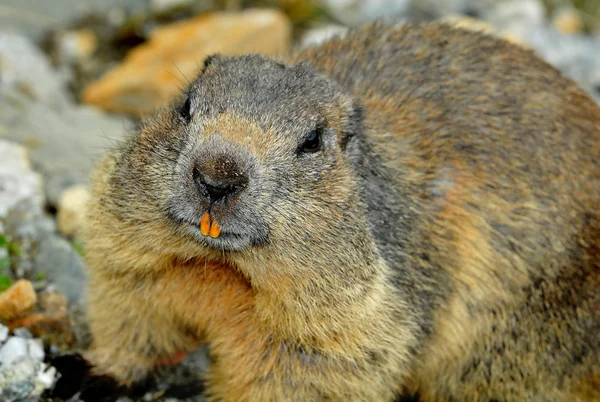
{"x": 5, "y": 281}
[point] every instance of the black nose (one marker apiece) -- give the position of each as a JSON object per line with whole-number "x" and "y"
{"x": 219, "y": 180}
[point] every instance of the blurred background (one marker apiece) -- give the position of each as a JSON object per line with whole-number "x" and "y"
{"x": 77, "y": 75}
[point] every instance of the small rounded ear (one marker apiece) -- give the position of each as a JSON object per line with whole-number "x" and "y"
{"x": 352, "y": 120}
{"x": 209, "y": 60}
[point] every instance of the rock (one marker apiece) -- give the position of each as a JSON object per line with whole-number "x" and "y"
{"x": 472, "y": 24}
{"x": 34, "y": 17}
{"x": 24, "y": 65}
{"x": 63, "y": 266}
{"x": 63, "y": 145}
{"x": 71, "y": 210}
{"x": 26, "y": 226}
{"x": 567, "y": 20}
{"x": 18, "y": 182}
{"x": 63, "y": 139}
{"x": 315, "y": 36}
{"x": 22, "y": 333}
{"x": 3, "y": 334}
{"x": 358, "y": 12}
{"x": 35, "y": 350}
{"x": 76, "y": 45}
{"x": 516, "y": 16}
{"x": 17, "y": 300}
{"x": 153, "y": 73}
{"x": 53, "y": 328}
{"x": 53, "y": 303}
{"x": 13, "y": 351}
{"x": 25, "y": 380}
{"x": 164, "y": 6}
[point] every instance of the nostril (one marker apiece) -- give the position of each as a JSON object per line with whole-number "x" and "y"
{"x": 218, "y": 188}
{"x": 216, "y": 193}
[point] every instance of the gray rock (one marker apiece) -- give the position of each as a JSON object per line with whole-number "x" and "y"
{"x": 23, "y": 66}
{"x": 26, "y": 226}
{"x": 24, "y": 222}
{"x": 23, "y": 333}
{"x": 357, "y": 12}
{"x": 63, "y": 139}
{"x": 34, "y": 17}
{"x": 13, "y": 351}
{"x": 64, "y": 267}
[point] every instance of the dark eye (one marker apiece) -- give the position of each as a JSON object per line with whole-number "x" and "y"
{"x": 186, "y": 110}
{"x": 312, "y": 143}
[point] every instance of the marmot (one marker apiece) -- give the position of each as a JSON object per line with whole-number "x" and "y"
{"x": 402, "y": 210}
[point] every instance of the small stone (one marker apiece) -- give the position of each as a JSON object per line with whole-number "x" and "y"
{"x": 53, "y": 329}
{"x": 3, "y": 333}
{"x": 152, "y": 74}
{"x": 47, "y": 377}
{"x": 35, "y": 349}
{"x": 163, "y": 6}
{"x": 22, "y": 333}
{"x": 14, "y": 350}
{"x": 71, "y": 210}
{"x": 469, "y": 23}
{"x": 76, "y": 45}
{"x": 568, "y": 20}
{"x": 318, "y": 35}
{"x": 25, "y": 380}
{"x": 17, "y": 300}
{"x": 53, "y": 303}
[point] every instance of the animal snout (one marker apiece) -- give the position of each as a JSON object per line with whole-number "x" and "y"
{"x": 220, "y": 178}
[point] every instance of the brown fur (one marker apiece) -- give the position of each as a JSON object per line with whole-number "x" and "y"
{"x": 490, "y": 293}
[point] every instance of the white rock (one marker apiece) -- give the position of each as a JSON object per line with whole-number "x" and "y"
{"x": 17, "y": 181}
{"x": 13, "y": 351}
{"x": 47, "y": 376}
{"x": 76, "y": 45}
{"x": 3, "y": 333}
{"x": 25, "y": 380}
{"x": 319, "y": 35}
{"x": 515, "y": 15}
{"x": 35, "y": 349}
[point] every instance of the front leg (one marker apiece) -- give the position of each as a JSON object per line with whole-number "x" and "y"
{"x": 249, "y": 365}
{"x": 134, "y": 327}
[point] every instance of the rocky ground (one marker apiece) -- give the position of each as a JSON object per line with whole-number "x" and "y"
{"x": 72, "y": 84}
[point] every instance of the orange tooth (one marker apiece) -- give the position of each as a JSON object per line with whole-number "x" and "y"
{"x": 205, "y": 224}
{"x": 215, "y": 230}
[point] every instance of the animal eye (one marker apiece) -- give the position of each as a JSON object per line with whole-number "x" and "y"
{"x": 186, "y": 110}
{"x": 313, "y": 142}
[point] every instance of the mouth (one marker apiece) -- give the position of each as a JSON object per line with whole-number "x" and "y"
{"x": 225, "y": 241}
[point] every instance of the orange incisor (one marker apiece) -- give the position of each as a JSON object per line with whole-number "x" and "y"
{"x": 209, "y": 227}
